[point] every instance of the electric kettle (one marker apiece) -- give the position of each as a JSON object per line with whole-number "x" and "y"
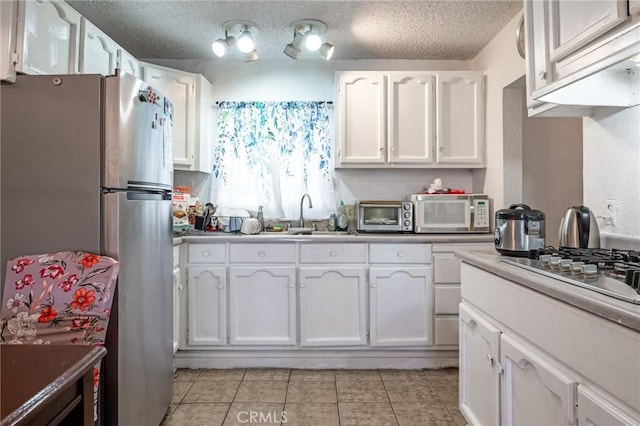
{"x": 579, "y": 229}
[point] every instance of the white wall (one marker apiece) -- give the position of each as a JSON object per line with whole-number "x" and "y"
{"x": 611, "y": 158}
{"x": 503, "y": 66}
{"x": 309, "y": 80}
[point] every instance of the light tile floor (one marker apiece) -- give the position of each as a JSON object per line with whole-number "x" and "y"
{"x": 315, "y": 397}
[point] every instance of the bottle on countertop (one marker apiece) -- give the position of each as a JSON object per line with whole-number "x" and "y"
{"x": 342, "y": 223}
{"x": 261, "y": 218}
{"x": 332, "y": 222}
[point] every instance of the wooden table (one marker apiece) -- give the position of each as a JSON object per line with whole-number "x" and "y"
{"x": 44, "y": 384}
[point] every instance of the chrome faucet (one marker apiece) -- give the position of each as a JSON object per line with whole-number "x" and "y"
{"x": 301, "y": 207}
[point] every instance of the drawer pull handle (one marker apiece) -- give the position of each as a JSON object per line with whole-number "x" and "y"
{"x": 220, "y": 286}
{"x": 400, "y": 254}
{"x": 262, "y": 254}
{"x": 206, "y": 253}
{"x": 333, "y": 253}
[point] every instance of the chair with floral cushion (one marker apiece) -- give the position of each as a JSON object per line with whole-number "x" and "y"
{"x": 58, "y": 298}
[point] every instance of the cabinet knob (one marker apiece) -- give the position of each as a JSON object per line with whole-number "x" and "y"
{"x": 333, "y": 253}
{"x": 542, "y": 75}
{"x": 262, "y": 254}
{"x": 206, "y": 253}
{"x": 180, "y": 287}
{"x": 489, "y": 359}
{"x": 381, "y": 149}
{"x": 220, "y": 286}
{"x": 400, "y": 254}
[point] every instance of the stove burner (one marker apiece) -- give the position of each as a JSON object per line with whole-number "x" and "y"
{"x": 623, "y": 265}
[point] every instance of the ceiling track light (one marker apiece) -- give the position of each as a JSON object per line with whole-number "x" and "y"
{"x": 237, "y": 33}
{"x": 309, "y": 32}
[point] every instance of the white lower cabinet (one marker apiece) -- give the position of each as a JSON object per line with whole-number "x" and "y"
{"x": 595, "y": 410}
{"x": 479, "y": 380}
{"x": 333, "y": 308}
{"x": 400, "y": 301}
{"x": 535, "y": 391}
{"x": 207, "y": 303}
{"x": 262, "y": 305}
{"x": 520, "y": 368}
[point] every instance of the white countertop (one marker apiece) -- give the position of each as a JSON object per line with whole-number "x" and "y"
{"x": 618, "y": 311}
{"x": 274, "y": 237}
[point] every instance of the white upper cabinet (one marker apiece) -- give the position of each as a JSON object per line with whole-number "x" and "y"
{"x": 8, "y": 23}
{"x": 460, "y": 118}
{"x": 361, "y": 118}
{"x": 98, "y": 52}
{"x": 191, "y": 95}
{"x": 411, "y": 117}
{"x": 129, "y": 64}
{"x": 575, "y": 48}
{"x": 48, "y": 38}
{"x": 573, "y": 24}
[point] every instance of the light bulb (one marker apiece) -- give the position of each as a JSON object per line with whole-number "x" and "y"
{"x": 245, "y": 42}
{"x": 219, "y": 48}
{"x": 312, "y": 41}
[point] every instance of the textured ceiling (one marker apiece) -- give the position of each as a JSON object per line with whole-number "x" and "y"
{"x": 451, "y": 29}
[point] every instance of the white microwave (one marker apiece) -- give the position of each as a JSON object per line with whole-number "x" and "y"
{"x": 450, "y": 213}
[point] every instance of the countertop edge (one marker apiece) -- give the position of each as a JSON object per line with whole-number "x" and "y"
{"x": 359, "y": 238}
{"x": 619, "y": 312}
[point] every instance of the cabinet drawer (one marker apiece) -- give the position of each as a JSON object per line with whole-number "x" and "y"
{"x": 446, "y": 268}
{"x": 333, "y": 253}
{"x": 447, "y": 330}
{"x": 262, "y": 253}
{"x": 400, "y": 253}
{"x": 447, "y": 299}
{"x": 207, "y": 253}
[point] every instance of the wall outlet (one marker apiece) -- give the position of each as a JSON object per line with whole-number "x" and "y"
{"x": 610, "y": 213}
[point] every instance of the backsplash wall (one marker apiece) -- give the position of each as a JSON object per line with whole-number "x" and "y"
{"x": 611, "y": 158}
{"x": 310, "y": 80}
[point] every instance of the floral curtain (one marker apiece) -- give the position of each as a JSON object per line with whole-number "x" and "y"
{"x": 270, "y": 154}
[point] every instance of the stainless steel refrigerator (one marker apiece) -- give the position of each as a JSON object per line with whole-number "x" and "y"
{"x": 86, "y": 164}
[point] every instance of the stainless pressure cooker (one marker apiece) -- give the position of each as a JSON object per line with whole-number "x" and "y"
{"x": 518, "y": 230}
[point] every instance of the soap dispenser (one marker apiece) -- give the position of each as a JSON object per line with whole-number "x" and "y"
{"x": 261, "y": 218}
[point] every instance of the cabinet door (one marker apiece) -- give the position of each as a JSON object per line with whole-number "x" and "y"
{"x": 536, "y": 48}
{"x": 535, "y": 391}
{"x": 207, "y": 306}
{"x": 478, "y": 366}
{"x": 634, "y": 7}
{"x": 179, "y": 87}
{"x": 48, "y": 37}
{"x": 411, "y": 117}
{"x": 594, "y": 410}
{"x": 262, "y": 305}
{"x": 8, "y": 24}
{"x": 129, "y": 64}
{"x": 460, "y": 123}
{"x": 361, "y": 118}
{"x": 333, "y": 306}
{"x": 573, "y": 24}
{"x": 400, "y": 306}
{"x": 98, "y": 53}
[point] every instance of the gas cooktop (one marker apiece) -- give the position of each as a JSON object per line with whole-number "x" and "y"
{"x": 613, "y": 272}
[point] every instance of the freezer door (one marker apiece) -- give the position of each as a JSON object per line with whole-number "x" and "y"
{"x": 138, "y": 134}
{"x": 139, "y": 362}
{"x": 51, "y": 164}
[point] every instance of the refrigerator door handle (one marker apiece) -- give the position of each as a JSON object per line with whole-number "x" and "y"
{"x": 140, "y": 193}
